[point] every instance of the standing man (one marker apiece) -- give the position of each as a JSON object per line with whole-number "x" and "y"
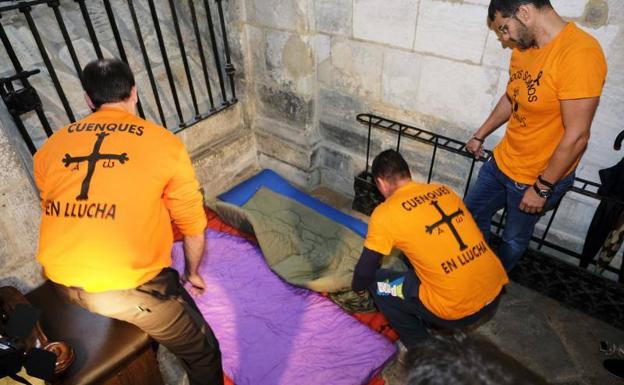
{"x": 110, "y": 185}
{"x": 456, "y": 278}
{"x": 556, "y": 76}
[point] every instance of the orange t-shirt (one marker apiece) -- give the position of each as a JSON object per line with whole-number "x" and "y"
{"x": 459, "y": 273}
{"x": 571, "y": 66}
{"x": 110, "y": 185}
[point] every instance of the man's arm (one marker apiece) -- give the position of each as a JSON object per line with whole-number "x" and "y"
{"x": 193, "y": 252}
{"x": 499, "y": 116}
{"x": 577, "y": 116}
{"x": 364, "y": 273}
{"x": 185, "y": 205}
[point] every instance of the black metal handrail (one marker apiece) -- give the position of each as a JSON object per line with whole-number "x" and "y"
{"x": 422, "y": 136}
{"x": 212, "y": 42}
{"x": 581, "y": 186}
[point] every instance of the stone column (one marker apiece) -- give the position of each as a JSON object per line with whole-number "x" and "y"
{"x": 19, "y": 212}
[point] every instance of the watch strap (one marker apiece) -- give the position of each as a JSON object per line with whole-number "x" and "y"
{"x": 544, "y": 182}
{"x": 540, "y": 192}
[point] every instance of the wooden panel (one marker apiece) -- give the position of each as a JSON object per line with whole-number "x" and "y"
{"x": 143, "y": 370}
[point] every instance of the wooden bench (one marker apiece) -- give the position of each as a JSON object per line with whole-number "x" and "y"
{"x": 107, "y": 351}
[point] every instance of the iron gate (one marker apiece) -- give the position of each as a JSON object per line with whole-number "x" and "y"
{"x": 184, "y": 42}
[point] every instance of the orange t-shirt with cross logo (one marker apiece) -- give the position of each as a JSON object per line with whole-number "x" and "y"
{"x": 110, "y": 185}
{"x": 571, "y": 66}
{"x": 429, "y": 223}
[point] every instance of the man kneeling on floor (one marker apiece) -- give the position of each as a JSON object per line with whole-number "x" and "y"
{"x": 456, "y": 277}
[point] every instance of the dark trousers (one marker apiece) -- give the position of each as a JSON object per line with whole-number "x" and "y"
{"x": 408, "y": 316}
{"x": 163, "y": 309}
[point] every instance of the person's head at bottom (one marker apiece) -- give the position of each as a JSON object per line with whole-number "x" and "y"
{"x": 461, "y": 360}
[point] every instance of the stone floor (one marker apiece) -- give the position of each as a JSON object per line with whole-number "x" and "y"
{"x": 559, "y": 343}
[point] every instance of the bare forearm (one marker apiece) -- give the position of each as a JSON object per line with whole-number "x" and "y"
{"x": 566, "y": 154}
{"x": 577, "y": 116}
{"x": 499, "y": 116}
{"x": 193, "y": 252}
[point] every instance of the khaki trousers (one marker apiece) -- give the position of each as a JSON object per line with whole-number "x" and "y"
{"x": 163, "y": 309}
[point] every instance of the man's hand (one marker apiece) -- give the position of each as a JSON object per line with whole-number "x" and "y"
{"x": 193, "y": 251}
{"x": 499, "y": 116}
{"x": 531, "y": 202}
{"x": 474, "y": 147}
{"x": 198, "y": 286}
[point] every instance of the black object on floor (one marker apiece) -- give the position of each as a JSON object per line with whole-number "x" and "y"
{"x": 367, "y": 196}
{"x": 615, "y": 367}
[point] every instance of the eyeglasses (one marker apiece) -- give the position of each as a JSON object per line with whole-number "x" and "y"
{"x": 504, "y": 29}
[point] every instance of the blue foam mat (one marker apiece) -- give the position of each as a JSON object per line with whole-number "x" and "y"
{"x": 241, "y": 193}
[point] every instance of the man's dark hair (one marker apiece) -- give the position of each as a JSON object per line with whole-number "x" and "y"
{"x": 507, "y": 8}
{"x": 390, "y": 165}
{"x": 107, "y": 81}
{"x": 461, "y": 360}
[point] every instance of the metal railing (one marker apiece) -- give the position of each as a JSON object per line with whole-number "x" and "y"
{"x": 439, "y": 142}
{"x": 216, "y": 73}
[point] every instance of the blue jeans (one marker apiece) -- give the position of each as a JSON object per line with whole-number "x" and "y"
{"x": 492, "y": 191}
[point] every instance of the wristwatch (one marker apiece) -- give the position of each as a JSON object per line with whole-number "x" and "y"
{"x": 544, "y": 182}
{"x": 543, "y": 193}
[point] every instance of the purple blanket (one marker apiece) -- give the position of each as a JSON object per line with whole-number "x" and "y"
{"x": 273, "y": 333}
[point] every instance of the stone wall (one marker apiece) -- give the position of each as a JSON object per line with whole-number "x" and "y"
{"x": 434, "y": 64}
{"x": 281, "y": 74}
{"x": 19, "y": 214}
{"x": 222, "y": 147}
{"x": 306, "y": 68}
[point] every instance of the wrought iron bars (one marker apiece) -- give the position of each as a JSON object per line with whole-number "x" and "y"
{"x": 46, "y": 59}
{"x": 118, "y": 41}
{"x": 146, "y": 61}
{"x": 182, "y": 14}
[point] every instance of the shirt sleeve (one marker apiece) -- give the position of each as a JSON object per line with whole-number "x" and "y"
{"x": 183, "y": 198}
{"x": 364, "y": 273}
{"x": 582, "y": 73}
{"x": 378, "y": 238}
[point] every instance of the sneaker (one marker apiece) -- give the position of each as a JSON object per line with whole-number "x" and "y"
{"x": 401, "y": 352}
{"x": 614, "y": 367}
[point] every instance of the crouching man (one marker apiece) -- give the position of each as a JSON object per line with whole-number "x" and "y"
{"x": 455, "y": 277}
